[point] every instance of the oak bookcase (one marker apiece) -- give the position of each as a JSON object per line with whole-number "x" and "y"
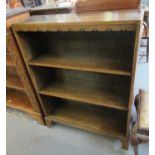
{"x": 82, "y": 67}
{"x": 20, "y": 94}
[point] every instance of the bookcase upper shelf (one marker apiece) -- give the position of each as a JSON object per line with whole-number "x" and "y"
{"x": 82, "y": 64}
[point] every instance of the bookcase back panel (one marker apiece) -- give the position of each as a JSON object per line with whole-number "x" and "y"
{"x": 92, "y": 46}
{"x": 51, "y": 75}
{"x": 106, "y": 90}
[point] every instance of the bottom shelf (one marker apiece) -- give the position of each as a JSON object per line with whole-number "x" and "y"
{"x": 91, "y": 118}
{"x": 18, "y": 100}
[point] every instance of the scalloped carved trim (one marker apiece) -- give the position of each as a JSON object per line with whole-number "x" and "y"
{"x": 67, "y": 28}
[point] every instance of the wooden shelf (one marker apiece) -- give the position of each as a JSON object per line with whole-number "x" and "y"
{"x": 87, "y": 60}
{"x": 83, "y": 64}
{"x": 112, "y": 98}
{"x": 18, "y": 100}
{"x": 14, "y": 82}
{"x": 96, "y": 119}
{"x": 9, "y": 61}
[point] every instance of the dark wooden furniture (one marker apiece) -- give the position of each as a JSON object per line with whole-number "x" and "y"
{"x": 83, "y": 67}
{"x": 20, "y": 93}
{"x": 97, "y": 5}
{"x": 140, "y": 127}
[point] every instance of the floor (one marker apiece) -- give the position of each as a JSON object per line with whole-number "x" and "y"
{"x": 27, "y": 137}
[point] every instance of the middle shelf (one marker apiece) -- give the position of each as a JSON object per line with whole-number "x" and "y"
{"x": 106, "y": 90}
{"x": 112, "y": 98}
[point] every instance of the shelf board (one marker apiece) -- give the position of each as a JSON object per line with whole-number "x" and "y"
{"x": 9, "y": 61}
{"x": 82, "y": 64}
{"x": 112, "y": 98}
{"x": 14, "y": 82}
{"x": 18, "y": 100}
{"x": 90, "y": 118}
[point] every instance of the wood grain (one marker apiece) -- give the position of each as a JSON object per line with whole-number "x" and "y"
{"x": 14, "y": 82}
{"x": 90, "y": 118}
{"x": 89, "y": 5}
{"x": 18, "y": 100}
{"x": 9, "y": 61}
{"x": 54, "y": 48}
{"x": 113, "y": 98}
{"x": 17, "y": 77}
{"x": 82, "y": 64}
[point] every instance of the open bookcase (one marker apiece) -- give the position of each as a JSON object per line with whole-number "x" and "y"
{"x": 19, "y": 91}
{"x": 82, "y": 67}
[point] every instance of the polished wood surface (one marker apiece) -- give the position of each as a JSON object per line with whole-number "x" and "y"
{"x": 83, "y": 21}
{"x": 90, "y": 95}
{"x": 84, "y": 64}
{"x": 88, "y": 59}
{"x": 97, "y": 5}
{"x": 18, "y": 100}
{"x": 104, "y": 16}
{"x": 9, "y": 60}
{"x": 20, "y": 94}
{"x": 14, "y": 82}
{"x": 91, "y": 118}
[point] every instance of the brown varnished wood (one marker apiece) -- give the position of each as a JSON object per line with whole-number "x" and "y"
{"x": 9, "y": 61}
{"x": 93, "y": 51}
{"x": 90, "y": 118}
{"x": 135, "y": 57}
{"x": 84, "y": 21}
{"x": 61, "y": 68}
{"x": 14, "y": 82}
{"x": 18, "y": 100}
{"x": 88, "y": 5}
{"x": 90, "y": 95}
{"x": 17, "y": 78}
{"x": 85, "y": 86}
{"x": 84, "y": 64}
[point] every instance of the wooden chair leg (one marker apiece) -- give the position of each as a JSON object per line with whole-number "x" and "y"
{"x": 147, "y": 49}
{"x": 136, "y": 149}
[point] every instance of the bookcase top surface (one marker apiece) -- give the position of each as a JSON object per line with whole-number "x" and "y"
{"x": 121, "y": 16}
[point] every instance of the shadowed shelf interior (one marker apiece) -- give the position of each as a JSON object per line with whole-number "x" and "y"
{"x": 83, "y": 74}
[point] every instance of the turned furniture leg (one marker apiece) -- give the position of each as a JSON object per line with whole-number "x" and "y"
{"x": 138, "y": 134}
{"x": 147, "y": 49}
{"x": 136, "y": 149}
